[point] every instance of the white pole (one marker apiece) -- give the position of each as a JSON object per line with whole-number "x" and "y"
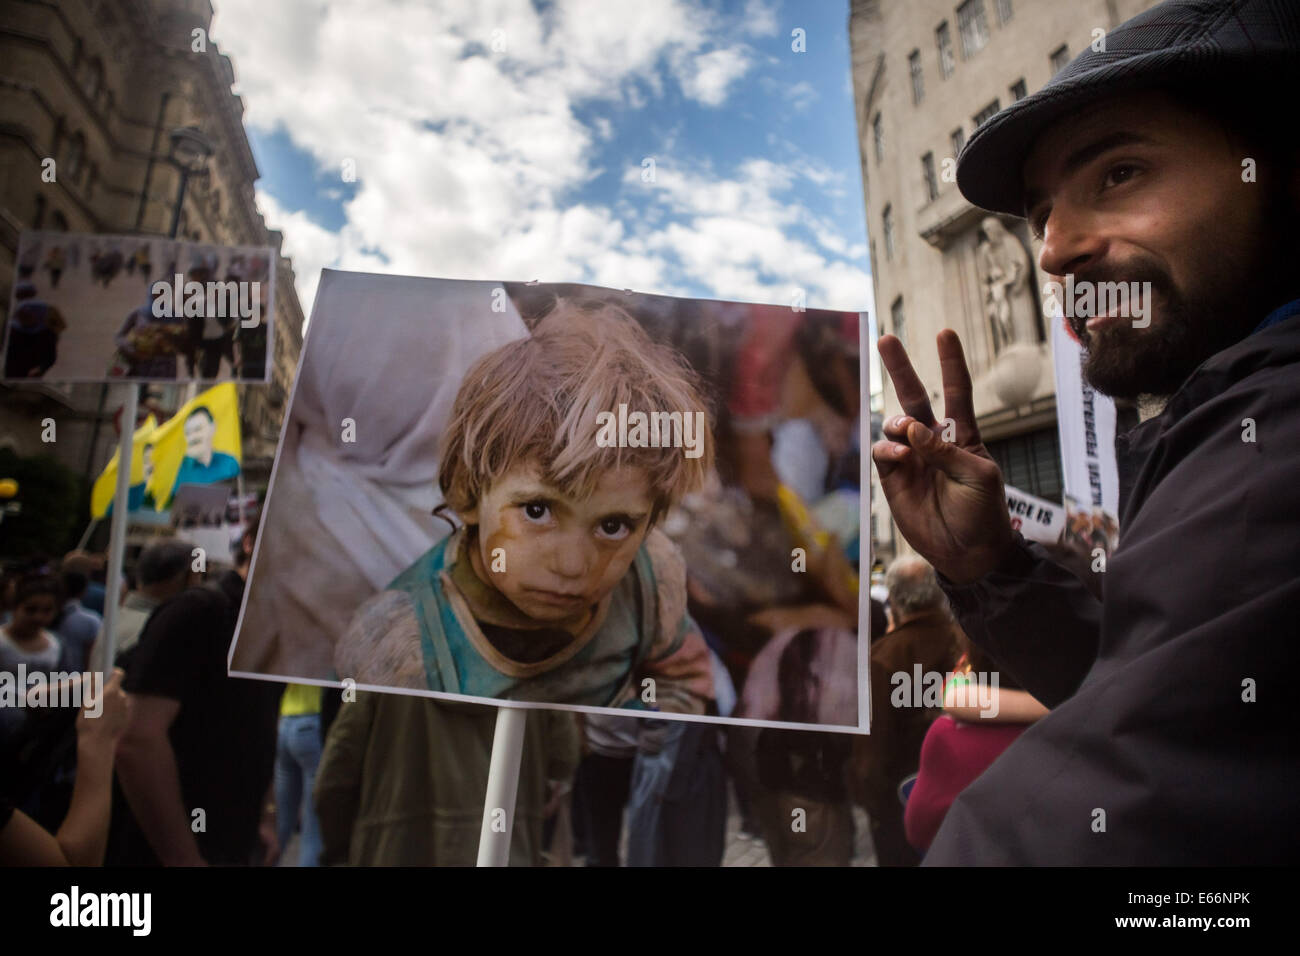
{"x": 117, "y": 533}
{"x": 502, "y": 788}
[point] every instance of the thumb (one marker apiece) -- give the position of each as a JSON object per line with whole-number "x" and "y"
{"x": 944, "y": 455}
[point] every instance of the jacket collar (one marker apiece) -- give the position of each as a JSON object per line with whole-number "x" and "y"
{"x": 1274, "y": 343}
{"x": 1280, "y": 314}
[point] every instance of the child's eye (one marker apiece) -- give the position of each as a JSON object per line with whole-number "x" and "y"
{"x": 615, "y": 529}
{"x": 536, "y": 511}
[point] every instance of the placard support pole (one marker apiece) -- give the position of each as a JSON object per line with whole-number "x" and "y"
{"x": 502, "y": 787}
{"x": 118, "y": 525}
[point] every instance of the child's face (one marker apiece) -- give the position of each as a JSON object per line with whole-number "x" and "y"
{"x": 33, "y": 614}
{"x": 559, "y": 555}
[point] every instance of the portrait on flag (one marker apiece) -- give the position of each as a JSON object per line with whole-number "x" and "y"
{"x": 199, "y": 445}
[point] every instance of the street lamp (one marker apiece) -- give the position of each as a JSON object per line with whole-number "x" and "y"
{"x": 189, "y": 153}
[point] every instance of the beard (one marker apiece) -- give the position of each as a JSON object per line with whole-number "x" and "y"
{"x": 1187, "y": 327}
{"x": 1237, "y": 284}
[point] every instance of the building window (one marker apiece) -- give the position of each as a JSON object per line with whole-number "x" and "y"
{"x": 973, "y": 27}
{"x": 943, "y": 40}
{"x": 878, "y": 138}
{"x": 874, "y": 260}
{"x": 59, "y": 222}
{"x": 984, "y": 115}
{"x": 1004, "y": 12}
{"x": 918, "y": 82}
{"x": 1031, "y": 462}
{"x": 1018, "y": 91}
{"x": 931, "y": 180}
{"x": 896, "y": 318}
{"x": 887, "y": 225}
{"x": 38, "y": 220}
{"x": 1060, "y": 57}
{"x": 958, "y": 139}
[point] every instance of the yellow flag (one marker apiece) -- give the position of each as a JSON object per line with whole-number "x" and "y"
{"x": 199, "y": 445}
{"x": 105, "y": 487}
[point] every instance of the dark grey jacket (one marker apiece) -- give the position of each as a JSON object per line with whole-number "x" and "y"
{"x": 1171, "y": 697}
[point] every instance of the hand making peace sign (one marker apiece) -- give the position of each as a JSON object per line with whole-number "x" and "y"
{"x": 946, "y": 497}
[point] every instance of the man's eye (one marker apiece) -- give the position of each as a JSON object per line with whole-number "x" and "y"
{"x": 1119, "y": 174}
{"x": 535, "y": 511}
{"x": 615, "y": 528}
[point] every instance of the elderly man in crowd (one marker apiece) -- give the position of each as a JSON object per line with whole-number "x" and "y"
{"x": 917, "y": 652}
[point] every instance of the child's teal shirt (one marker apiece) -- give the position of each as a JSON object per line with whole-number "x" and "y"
{"x": 426, "y": 630}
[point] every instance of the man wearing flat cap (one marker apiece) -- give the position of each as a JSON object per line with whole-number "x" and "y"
{"x": 1167, "y": 156}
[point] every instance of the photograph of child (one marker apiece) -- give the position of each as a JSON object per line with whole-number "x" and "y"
{"x": 514, "y": 495}
{"x": 558, "y": 586}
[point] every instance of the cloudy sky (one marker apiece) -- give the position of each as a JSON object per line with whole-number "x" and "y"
{"x": 659, "y": 145}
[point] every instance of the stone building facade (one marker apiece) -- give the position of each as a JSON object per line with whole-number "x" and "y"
{"x": 98, "y": 85}
{"x": 926, "y": 73}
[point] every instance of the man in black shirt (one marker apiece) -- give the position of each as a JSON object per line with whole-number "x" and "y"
{"x": 195, "y": 764}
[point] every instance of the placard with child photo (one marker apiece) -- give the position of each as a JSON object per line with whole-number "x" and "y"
{"x": 562, "y": 495}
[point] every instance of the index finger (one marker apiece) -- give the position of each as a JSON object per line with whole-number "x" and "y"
{"x": 911, "y": 393}
{"x": 957, "y": 403}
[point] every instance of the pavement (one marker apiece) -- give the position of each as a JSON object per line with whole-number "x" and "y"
{"x": 740, "y": 849}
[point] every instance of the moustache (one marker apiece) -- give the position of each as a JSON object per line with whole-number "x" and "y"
{"x": 1144, "y": 272}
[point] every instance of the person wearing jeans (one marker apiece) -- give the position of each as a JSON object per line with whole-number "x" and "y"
{"x": 297, "y": 758}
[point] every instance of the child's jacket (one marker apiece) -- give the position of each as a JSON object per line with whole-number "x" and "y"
{"x": 423, "y": 632}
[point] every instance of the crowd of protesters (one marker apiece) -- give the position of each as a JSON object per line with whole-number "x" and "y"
{"x": 177, "y": 763}
{"x": 208, "y": 768}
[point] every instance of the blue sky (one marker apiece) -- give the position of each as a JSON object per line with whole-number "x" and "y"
{"x": 505, "y": 139}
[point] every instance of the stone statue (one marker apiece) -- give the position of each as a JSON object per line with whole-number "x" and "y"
{"x": 1004, "y": 268}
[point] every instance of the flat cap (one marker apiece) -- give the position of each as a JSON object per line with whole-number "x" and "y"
{"x": 1227, "y": 42}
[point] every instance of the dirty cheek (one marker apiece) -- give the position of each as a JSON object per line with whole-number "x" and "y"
{"x": 504, "y": 536}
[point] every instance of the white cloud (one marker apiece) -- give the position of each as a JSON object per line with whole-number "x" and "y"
{"x": 708, "y": 76}
{"x": 738, "y": 237}
{"x": 801, "y": 95}
{"x": 759, "y": 18}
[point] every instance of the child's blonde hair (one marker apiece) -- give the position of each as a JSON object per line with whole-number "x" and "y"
{"x": 537, "y": 400}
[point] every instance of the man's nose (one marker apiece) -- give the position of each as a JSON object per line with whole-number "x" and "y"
{"x": 1072, "y": 240}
